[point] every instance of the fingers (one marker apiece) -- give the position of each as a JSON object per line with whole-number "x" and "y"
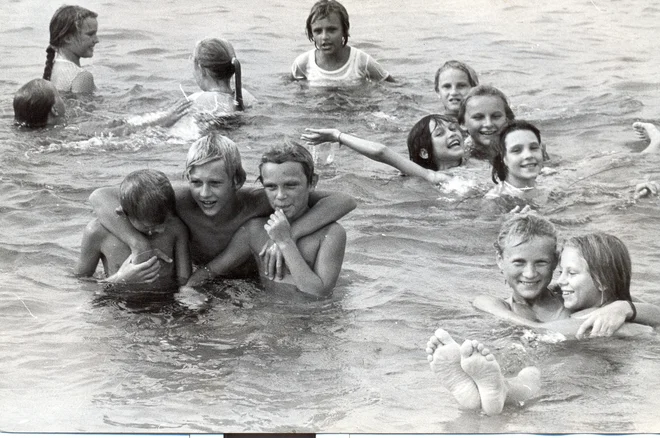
{"x": 586, "y": 325}
{"x": 161, "y": 255}
{"x": 262, "y": 253}
{"x": 271, "y": 267}
{"x": 279, "y": 264}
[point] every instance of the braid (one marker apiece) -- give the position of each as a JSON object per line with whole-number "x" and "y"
{"x": 238, "y": 92}
{"x": 50, "y": 56}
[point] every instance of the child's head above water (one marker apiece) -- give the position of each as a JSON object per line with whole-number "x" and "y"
{"x": 484, "y": 112}
{"x": 324, "y": 8}
{"x": 287, "y": 174}
{"x": 522, "y": 228}
{"x": 453, "y": 80}
{"x": 290, "y": 151}
{"x": 215, "y": 147}
{"x": 147, "y": 199}
{"x": 596, "y": 270}
{"x": 65, "y": 25}
{"x": 435, "y": 140}
{"x": 216, "y": 57}
{"x": 518, "y": 154}
{"x": 527, "y": 255}
{"x": 37, "y": 104}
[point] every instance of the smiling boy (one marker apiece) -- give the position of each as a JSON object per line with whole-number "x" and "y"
{"x": 214, "y": 205}
{"x": 314, "y": 261}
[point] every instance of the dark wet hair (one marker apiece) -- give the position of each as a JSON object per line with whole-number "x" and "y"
{"x": 485, "y": 90}
{"x": 33, "y": 102}
{"x": 66, "y": 22}
{"x": 420, "y": 138}
{"x": 609, "y": 263}
{"x": 218, "y": 58}
{"x": 289, "y": 151}
{"x": 499, "y": 170}
{"x": 457, "y": 65}
{"x": 324, "y": 8}
{"x": 147, "y": 195}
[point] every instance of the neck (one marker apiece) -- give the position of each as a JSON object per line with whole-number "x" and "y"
{"x": 444, "y": 165}
{"x": 217, "y": 86}
{"x": 521, "y": 184}
{"x": 69, "y": 55}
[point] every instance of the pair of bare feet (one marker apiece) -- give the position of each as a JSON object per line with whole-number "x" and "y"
{"x": 473, "y": 376}
{"x": 650, "y": 132}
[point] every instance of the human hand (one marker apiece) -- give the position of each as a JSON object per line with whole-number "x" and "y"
{"x": 272, "y": 260}
{"x": 649, "y": 188}
{"x": 318, "y": 136}
{"x": 191, "y": 298}
{"x": 173, "y": 115}
{"x": 605, "y": 320}
{"x": 278, "y": 227}
{"x": 133, "y": 272}
{"x": 436, "y": 177}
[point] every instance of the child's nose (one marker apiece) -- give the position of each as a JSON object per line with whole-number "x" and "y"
{"x": 529, "y": 271}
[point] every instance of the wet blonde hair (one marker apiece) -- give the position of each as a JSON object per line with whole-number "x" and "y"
{"x": 213, "y": 147}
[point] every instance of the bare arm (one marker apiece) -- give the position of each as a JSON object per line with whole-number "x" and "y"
{"x": 83, "y": 83}
{"x": 376, "y": 151}
{"x": 320, "y": 280}
{"x": 237, "y": 252}
{"x": 105, "y": 202}
{"x": 608, "y": 319}
{"x": 182, "y": 254}
{"x": 90, "y": 253}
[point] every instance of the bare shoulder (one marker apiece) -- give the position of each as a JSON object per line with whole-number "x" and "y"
{"x": 177, "y": 226}
{"x": 95, "y": 230}
{"x": 83, "y": 82}
{"x": 487, "y": 302}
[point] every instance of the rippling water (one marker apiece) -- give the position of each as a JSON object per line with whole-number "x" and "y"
{"x": 74, "y": 359}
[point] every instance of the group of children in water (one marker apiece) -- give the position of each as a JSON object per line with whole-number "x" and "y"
{"x": 149, "y": 233}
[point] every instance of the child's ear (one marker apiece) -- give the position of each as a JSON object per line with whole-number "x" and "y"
{"x": 54, "y": 111}
{"x": 423, "y": 153}
{"x": 237, "y": 185}
{"x": 500, "y": 260}
{"x": 315, "y": 179}
{"x": 120, "y": 211}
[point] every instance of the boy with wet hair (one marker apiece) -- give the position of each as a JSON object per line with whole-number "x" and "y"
{"x": 38, "y": 104}
{"x": 146, "y": 201}
{"x": 214, "y": 205}
{"x": 314, "y": 261}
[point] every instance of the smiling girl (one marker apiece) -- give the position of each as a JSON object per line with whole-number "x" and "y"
{"x": 483, "y": 113}
{"x": 333, "y": 61}
{"x": 453, "y": 81}
{"x": 527, "y": 256}
{"x": 435, "y": 145}
{"x": 518, "y": 161}
{"x": 72, "y": 36}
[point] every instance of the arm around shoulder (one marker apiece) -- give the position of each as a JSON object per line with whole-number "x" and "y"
{"x": 90, "y": 249}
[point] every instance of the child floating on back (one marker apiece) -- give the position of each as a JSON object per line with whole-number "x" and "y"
{"x": 72, "y": 36}
{"x": 147, "y": 201}
{"x": 333, "y": 61}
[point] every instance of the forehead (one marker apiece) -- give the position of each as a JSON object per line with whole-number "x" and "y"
{"x": 277, "y": 172}
{"x": 536, "y": 247}
{"x": 485, "y": 104}
{"x": 211, "y": 169}
{"x": 453, "y": 75}
{"x": 572, "y": 256}
{"x": 331, "y": 19}
{"x": 434, "y": 124}
{"x": 89, "y": 24}
{"x": 520, "y": 136}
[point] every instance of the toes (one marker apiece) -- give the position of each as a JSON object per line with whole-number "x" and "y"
{"x": 443, "y": 336}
